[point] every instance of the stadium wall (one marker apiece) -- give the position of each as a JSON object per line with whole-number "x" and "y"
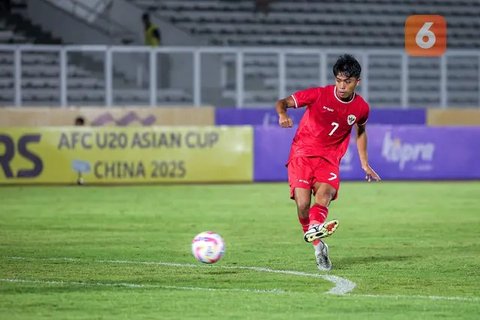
{"x": 268, "y": 116}
{"x": 114, "y": 155}
{"x": 456, "y": 117}
{"x": 409, "y": 152}
{"x": 186, "y": 154}
{"x": 208, "y": 115}
{"x": 129, "y": 116}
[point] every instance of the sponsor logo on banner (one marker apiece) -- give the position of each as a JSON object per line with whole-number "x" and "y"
{"x": 124, "y": 120}
{"x": 126, "y": 155}
{"x": 418, "y": 156}
{"x": 22, "y": 152}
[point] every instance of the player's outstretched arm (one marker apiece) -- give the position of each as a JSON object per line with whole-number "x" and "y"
{"x": 281, "y": 107}
{"x": 370, "y": 174}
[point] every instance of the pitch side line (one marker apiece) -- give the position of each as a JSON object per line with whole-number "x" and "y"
{"x": 341, "y": 285}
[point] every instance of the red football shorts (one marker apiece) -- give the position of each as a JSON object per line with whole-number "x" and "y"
{"x": 304, "y": 172}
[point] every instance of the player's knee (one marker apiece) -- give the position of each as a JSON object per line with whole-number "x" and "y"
{"x": 324, "y": 198}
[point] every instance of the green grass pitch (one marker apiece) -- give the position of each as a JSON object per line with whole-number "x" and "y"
{"x": 411, "y": 248}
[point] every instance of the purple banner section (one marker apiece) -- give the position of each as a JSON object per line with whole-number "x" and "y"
{"x": 397, "y": 116}
{"x": 395, "y": 152}
{"x": 266, "y": 117}
{"x": 270, "y": 151}
{"x": 255, "y": 117}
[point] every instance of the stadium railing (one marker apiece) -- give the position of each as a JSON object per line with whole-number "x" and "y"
{"x": 238, "y": 73}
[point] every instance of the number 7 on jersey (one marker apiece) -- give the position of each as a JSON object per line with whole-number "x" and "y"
{"x": 335, "y": 127}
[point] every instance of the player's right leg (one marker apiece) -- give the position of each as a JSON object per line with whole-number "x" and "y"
{"x": 318, "y": 213}
{"x": 301, "y": 185}
{"x": 320, "y": 231}
{"x": 302, "y": 199}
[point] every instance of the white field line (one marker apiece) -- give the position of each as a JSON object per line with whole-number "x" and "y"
{"x": 341, "y": 285}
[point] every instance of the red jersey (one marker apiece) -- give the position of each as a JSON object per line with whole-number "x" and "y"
{"x": 325, "y": 128}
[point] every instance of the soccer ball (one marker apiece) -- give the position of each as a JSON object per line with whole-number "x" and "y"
{"x": 208, "y": 247}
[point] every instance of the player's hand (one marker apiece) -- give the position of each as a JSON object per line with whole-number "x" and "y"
{"x": 370, "y": 174}
{"x": 285, "y": 121}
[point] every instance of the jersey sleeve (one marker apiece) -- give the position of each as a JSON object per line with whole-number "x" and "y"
{"x": 305, "y": 97}
{"x": 365, "y": 112}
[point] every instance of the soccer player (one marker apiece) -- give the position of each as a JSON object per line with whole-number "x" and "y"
{"x": 319, "y": 144}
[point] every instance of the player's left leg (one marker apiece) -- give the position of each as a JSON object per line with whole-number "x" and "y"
{"x": 302, "y": 199}
{"x": 319, "y": 229}
{"x": 299, "y": 179}
{"x": 321, "y": 256}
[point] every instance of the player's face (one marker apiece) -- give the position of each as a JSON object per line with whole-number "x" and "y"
{"x": 345, "y": 86}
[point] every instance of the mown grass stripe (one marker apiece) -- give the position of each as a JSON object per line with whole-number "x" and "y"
{"x": 133, "y": 285}
{"x": 341, "y": 285}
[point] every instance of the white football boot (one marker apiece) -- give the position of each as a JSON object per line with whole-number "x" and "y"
{"x": 320, "y": 231}
{"x": 321, "y": 255}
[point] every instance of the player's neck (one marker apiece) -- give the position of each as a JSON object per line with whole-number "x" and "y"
{"x": 347, "y": 99}
{"x": 344, "y": 100}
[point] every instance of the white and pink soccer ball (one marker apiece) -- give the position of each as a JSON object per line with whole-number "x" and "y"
{"x": 208, "y": 247}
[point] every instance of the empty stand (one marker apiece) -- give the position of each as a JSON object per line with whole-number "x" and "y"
{"x": 40, "y": 73}
{"x": 355, "y": 26}
{"x": 329, "y": 24}
{"x": 316, "y": 23}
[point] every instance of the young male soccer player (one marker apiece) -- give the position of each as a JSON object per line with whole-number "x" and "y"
{"x": 319, "y": 144}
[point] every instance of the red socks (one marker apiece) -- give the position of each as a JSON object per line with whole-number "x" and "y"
{"x": 317, "y": 214}
{"x": 305, "y": 222}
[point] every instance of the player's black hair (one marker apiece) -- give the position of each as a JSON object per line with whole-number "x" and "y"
{"x": 146, "y": 16}
{"x": 348, "y": 66}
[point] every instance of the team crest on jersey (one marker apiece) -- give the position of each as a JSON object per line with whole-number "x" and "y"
{"x": 351, "y": 119}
